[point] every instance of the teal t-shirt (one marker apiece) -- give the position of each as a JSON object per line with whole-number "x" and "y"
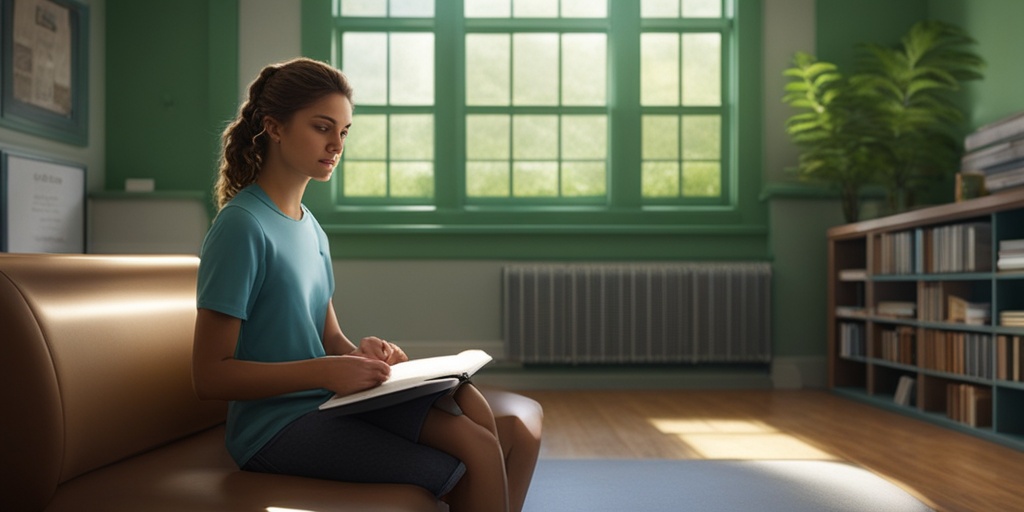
{"x": 274, "y": 273}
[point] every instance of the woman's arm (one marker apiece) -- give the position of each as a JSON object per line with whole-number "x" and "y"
{"x": 216, "y": 374}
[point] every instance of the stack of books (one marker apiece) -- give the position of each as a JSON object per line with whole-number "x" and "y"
{"x": 1011, "y": 255}
{"x": 970, "y": 313}
{"x": 996, "y": 150}
{"x": 1011, "y": 318}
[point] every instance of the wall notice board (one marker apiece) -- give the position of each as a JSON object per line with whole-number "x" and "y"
{"x": 42, "y": 205}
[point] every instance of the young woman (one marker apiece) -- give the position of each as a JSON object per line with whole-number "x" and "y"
{"x": 267, "y": 338}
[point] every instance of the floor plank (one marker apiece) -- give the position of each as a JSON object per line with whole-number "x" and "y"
{"x": 949, "y": 470}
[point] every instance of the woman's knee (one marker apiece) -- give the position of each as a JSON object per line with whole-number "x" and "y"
{"x": 459, "y": 436}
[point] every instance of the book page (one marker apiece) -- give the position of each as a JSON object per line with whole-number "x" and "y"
{"x": 419, "y": 372}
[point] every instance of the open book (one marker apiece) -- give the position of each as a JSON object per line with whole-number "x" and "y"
{"x": 413, "y": 379}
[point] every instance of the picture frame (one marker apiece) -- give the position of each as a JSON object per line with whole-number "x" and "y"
{"x": 42, "y": 204}
{"x": 45, "y": 73}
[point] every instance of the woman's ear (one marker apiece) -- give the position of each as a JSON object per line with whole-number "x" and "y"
{"x": 272, "y": 128}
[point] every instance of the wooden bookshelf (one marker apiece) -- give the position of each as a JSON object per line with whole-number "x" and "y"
{"x": 921, "y": 295}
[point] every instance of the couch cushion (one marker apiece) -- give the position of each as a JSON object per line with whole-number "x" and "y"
{"x": 198, "y": 475}
{"x": 96, "y": 366}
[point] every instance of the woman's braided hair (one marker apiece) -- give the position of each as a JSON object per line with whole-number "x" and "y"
{"x": 278, "y": 92}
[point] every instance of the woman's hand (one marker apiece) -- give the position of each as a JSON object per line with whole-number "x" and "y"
{"x": 373, "y": 347}
{"x": 348, "y": 374}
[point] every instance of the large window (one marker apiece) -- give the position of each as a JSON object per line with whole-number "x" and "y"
{"x": 602, "y": 104}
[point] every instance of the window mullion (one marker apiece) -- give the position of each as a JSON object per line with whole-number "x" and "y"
{"x": 449, "y": 101}
{"x": 624, "y": 188}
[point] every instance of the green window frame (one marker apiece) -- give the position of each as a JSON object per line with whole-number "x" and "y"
{"x": 621, "y": 199}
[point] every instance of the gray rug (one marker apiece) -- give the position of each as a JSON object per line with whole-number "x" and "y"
{"x": 712, "y": 486}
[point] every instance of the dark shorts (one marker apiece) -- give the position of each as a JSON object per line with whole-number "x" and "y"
{"x": 378, "y": 446}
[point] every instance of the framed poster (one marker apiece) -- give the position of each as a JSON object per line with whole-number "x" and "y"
{"x": 45, "y": 72}
{"x": 42, "y": 205}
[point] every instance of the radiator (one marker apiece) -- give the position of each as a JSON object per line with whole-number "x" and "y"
{"x": 638, "y": 313}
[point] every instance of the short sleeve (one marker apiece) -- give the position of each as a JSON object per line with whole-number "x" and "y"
{"x": 231, "y": 268}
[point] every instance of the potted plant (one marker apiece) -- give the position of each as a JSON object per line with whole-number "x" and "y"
{"x": 832, "y": 129}
{"x": 894, "y": 123}
{"x": 909, "y": 89}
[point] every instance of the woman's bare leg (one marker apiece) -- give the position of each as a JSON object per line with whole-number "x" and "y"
{"x": 519, "y": 421}
{"x": 518, "y": 428}
{"x": 484, "y": 486}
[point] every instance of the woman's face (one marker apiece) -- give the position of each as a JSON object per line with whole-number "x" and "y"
{"x": 311, "y": 142}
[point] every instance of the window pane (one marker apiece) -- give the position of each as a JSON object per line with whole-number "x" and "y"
{"x": 377, "y": 8}
{"x": 659, "y": 69}
{"x": 488, "y": 8}
{"x": 487, "y": 137}
{"x": 584, "y": 8}
{"x": 364, "y": 59}
{"x": 412, "y": 137}
{"x": 535, "y": 69}
{"x": 702, "y": 138}
{"x": 365, "y": 179}
{"x": 535, "y": 8}
{"x": 702, "y": 69}
{"x": 659, "y": 8}
{"x": 412, "y": 69}
{"x": 585, "y": 137}
{"x": 702, "y": 8}
{"x": 660, "y": 138}
{"x": 487, "y": 179}
{"x": 412, "y": 8}
{"x": 702, "y": 179}
{"x": 660, "y": 179}
{"x": 412, "y": 179}
{"x": 487, "y": 69}
{"x": 535, "y": 137}
{"x": 368, "y": 138}
{"x": 535, "y": 179}
{"x": 583, "y": 179}
{"x": 583, "y": 69}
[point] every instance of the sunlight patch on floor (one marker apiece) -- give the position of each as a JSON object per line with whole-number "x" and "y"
{"x": 738, "y": 439}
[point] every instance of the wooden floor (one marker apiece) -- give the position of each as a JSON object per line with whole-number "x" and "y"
{"x": 948, "y": 470}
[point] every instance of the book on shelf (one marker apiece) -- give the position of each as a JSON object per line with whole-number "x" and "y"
{"x": 969, "y": 404}
{"x": 1012, "y": 245}
{"x": 1011, "y": 318}
{"x": 996, "y": 131}
{"x": 414, "y": 378}
{"x": 851, "y": 340}
{"x": 905, "y": 391}
{"x": 1004, "y": 176}
{"x": 853, "y": 274}
{"x": 1010, "y": 263}
{"x": 857, "y": 311}
{"x": 964, "y": 312}
{"x": 898, "y": 345}
{"x": 902, "y": 309}
{"x": 962, "y": 247}
{"x": 992, "y": 156}
{"x": 1009, "y": 358}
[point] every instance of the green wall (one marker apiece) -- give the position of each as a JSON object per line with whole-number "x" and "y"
{"x": 843, "y": 24}
{"x": 168, "y": 90}
{"x": 996, "y": 25}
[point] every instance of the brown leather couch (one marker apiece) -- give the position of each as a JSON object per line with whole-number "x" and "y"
{"x": 99, "y": 411}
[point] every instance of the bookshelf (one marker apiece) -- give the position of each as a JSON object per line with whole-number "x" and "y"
{"x": 926, "y": 314}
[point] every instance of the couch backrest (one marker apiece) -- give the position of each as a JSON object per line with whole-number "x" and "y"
{"x": 95, "y": 365}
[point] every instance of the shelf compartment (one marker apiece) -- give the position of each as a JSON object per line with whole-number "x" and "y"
{"x": 1009, "y": 411}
